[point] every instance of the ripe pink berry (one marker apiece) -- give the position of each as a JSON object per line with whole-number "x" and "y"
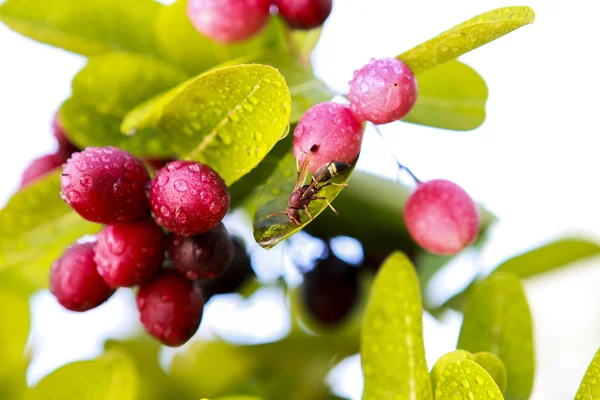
{"x": 203, "y": 256}
{"x": 188, "y": 198}
{"x": 64, "y": 144}
{"x": 170, "y": 308}
{"x": 74, "y": 280}
{"x": 128, "y": 254}
{"x": 383, "y": 91}
{"x": 441, "y": 217}
{"x": 228, "y": 21}
{"x": 304, "y": 14}
{"x": 334, "y": 129}
{"x": 105, "y": 185}
{"x": 40, "y": 167}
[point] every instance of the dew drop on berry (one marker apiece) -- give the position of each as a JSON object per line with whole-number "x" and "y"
{"x": 180, "y": 185}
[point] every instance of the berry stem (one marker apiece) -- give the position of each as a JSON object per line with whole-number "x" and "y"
{"x": 400, "y": 165}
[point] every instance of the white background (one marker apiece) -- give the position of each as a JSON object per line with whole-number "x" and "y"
{"x": 534, "y": 162}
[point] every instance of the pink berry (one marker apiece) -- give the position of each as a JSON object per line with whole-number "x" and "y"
{"x": 228, "y": 21}
{"x": 74, "y": 279}
{"x": 441, "y": 217}
{"x": 203, "y": 256}
{"x": 333, "y": 129}
{"x": 40, "y": 167}
{"x": 105, "y": 185}
{"x": 188, "y": 198}
{"x": 170, "y": 308}
{"x": 383, "y": 91}
{"x": 304, "y": 14}
{"x": 64, "y": 144}
{"x": 128, "y": 254}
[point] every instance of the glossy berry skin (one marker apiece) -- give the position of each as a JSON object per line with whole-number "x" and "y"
{"x": 203, "y": 256}
{"x": 188, "y": 198}
{"x": 228, "y": 21}
{"x": 170, "y": 308}
{"x": 64, "y": 144}
{"x": 74, "y": 279}
{"x": 304, "y": 14}
{"x": 129, "y": 253}
{"x": 383, "y": 91}
{"x": 441, "y": 217}
{"x": 105, "y": 185}
{"x": 41, "y": 166}
{"x": 334, "y": 129}
{"x": 234, "y": 277}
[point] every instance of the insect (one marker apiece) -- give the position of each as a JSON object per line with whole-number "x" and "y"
{"x": 303, "y": 194}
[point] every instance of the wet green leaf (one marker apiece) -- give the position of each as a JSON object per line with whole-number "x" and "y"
{"x": 444, "y": 361}
{"x": 465, "y": 379}
{"x": 497, "y": 320}
{"x": 589, "y": 389}
{"x": 451, "y": 96}
{"x": 36, "y": 226}
{"x": 85, "y": 27}
{"x": 112, "y": 376}
{"x": 392, "y": 350}
{"x": 467, "y": 36}
{"x": 228, "y": 118}
{"x": 274, "y": 198}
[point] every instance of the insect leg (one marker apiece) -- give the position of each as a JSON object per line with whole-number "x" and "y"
{"x": 276, "y": 214}
{"x": 327, "y": 201}
{"x": 307, "y": 213}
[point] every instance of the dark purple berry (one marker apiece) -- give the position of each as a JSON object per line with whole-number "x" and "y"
{"x": 128, "y": 254}
{"x": 304, "y": 14}
{"x": 170, "y": 308}
{"x": 74, "y": 279}
{"x": 105, "y": 185}
{"x": 40, "y": 167}
{"x": 234, "y": 277}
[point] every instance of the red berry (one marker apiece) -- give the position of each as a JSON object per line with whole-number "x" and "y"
{"x": 170, "y": 307}
{"x": 74, "y": 279}
{"x": 40, "y": 167}
{"x": 441, "y": 217}
{"x": 383, "y": 91}
{"x": 304, "y": 14}
{"x": 128, "y": 254}
{"x": 228, "y": 21}
{"x": 64, "y": 144}
{"x": 334, "y": 129}
{"x": 105, "y": 185}
{"x": 203, "y": 256}
{"x": 188, "y": 198}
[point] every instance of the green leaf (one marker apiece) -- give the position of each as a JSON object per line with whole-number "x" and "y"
{"x": 590, "y": 385}
{"x": 228, "y": 118}
{"x": 444, "y": 361}
{"x": 112, "y": 376}
{"x": 85, "y": 27}
{"x": 451, "y": 96}
{"x": 35, "y": 228}
{"x": 465, "y": 37}
{"x": 105, "y": 90}
{"x": 465, "y": 379}
{"x": 497, "y": 320}
{"x": 179, "y": 42}
{"x": 392, "y": 350}
{"x": 274, "y": 198}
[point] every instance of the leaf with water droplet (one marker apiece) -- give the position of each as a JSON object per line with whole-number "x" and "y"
{"x": 466, "y": 36}
{"x": 36, "y": 226}
{"x": 497, "y": 320}
{"x": 589, "y": 389}
{"x": 466, "y": 380}
{"x": 451, "y": 96}
{"x": 214, "y": 143}
{"x": 392, "y": 349}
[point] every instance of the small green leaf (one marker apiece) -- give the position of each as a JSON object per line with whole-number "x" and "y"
{"x": 494, "y": 366}
{"x": 229, "y": 118}
{"x": 451, "y": 96}
{"x": 274, "y": 198}
{"x": 444, "y": 361}
{"x": 467, "y": 36}
{"x": 35, "y": 228}
{"x": 179, "y": 42}
{"x": 85, "y": 27}
{"x": 112, "y": 376}
{"x": 105, "y": 90}
{"x": 497, "y": 320}
{"x": 392, "y": 350}
{"x": 590, "y": 385}
{"x": 465, "y": 379}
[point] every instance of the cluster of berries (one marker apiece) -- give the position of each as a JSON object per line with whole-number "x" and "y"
{"x": 189, "y": 199}
{"x": 229, "y": 21}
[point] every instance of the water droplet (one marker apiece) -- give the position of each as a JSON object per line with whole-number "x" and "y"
{"x": 181, "y": 216}
{"x": 165, "y": 211}
{"x": 162, "y": 180}
{"x": 129, "y": 165}
{"x": 234, "y": 117}
{"x": 253, "y": 100}
{"x": 85, "y": 181}
{"x": 80, "y": 165}
{"x": 225, "y": 136}
{"x": 73, "y": 196}
{"x": 267, "y": 80}
{"x": 479, "y": 380}
{"x": 464, "y": 384}
{"x": 180, "y": 185}
{"x": 456, "y": 396}
{"x": 491, "y": 393}
{"x": 194, "y": 168}
{"x": 285, "y": 108}
{"x": 258, "y": 136}
{"x": 248, "y": 107}
{"x": 471, "y": 396}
